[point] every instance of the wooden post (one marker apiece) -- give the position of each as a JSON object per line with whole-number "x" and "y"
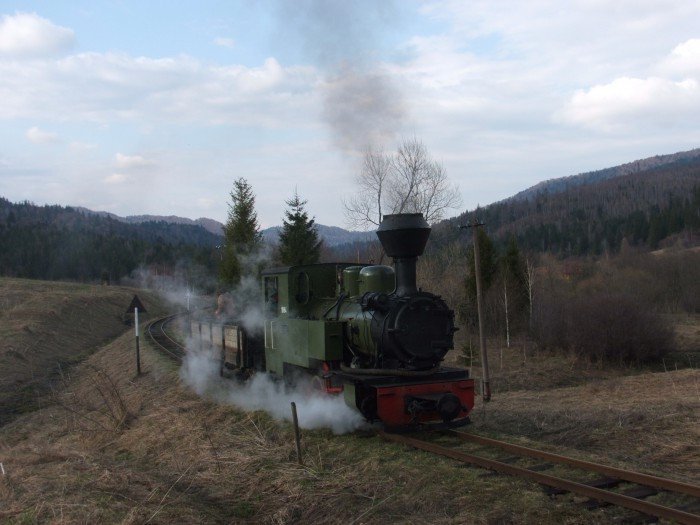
{"x": 138, "y": 353}
{"x": 297, "y": 435}
{"x": 222, "y": 356}
{"x": 134, "y": 308}
{"x": 485, "y": 381}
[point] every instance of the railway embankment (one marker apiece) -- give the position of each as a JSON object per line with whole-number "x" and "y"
{"x": 108, "y": 446}
{"x": 46, "y": 327}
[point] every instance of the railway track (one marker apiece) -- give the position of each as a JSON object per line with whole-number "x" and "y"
{"x": 158, "y": 334}
{"x": 618, "y": 487}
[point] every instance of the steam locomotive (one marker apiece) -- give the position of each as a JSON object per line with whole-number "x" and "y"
{"x": 366, "y": 332}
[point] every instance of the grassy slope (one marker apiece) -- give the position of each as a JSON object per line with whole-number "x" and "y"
{"x": 46, "y": 326}
{"x": 113, "y": 448}
{"x": 647, "y": 421}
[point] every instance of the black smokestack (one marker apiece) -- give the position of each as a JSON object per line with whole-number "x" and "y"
{"x": 403, "y": 237}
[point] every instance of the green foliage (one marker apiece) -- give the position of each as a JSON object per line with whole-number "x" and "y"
{"x": 488, "y": 259}
{"x": 242, "y": 235}
{"x": 642, "y": 208}
{"x": 243, "y": 509}
{"x": 513, "y": 281}
{"x": 56, "y": 243}
{"x": 513, "y": 265}
{"x": 299, "y": 243}
{"x": 504, "y": 288}
{"x": 489, "y": 267}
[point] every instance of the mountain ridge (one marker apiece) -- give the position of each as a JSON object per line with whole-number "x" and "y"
{"x": 570, "y": 181}
{"x": 331, "y": 235}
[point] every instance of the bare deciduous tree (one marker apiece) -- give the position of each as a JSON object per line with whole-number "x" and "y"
{"x": 530, "y": 284}
{"x": 407, "y": 182}
{"x": 365, "y": 208}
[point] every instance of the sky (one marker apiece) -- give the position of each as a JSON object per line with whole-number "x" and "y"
{"x": 156, "y": 107}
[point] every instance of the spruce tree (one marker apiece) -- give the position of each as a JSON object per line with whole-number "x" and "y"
{"x": 513, "y": 268}
{"x": 241, "y": 233}
{"x": 514, "y": 287}
{"x": 299, "y": 243}
{"x": 489, "y": 270}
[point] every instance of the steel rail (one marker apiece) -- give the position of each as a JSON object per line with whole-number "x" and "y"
{"x": 627, "y": 475}
{"x": 621, "y": 500}
{"x": 156, "y": 332}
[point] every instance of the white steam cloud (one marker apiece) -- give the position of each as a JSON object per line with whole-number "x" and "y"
{"x": 200, "y": 370}
{"x": 182, "y": 288}
{"x": 248, "y": 304}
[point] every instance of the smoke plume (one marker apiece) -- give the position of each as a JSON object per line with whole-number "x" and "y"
{"x": 361, "y": 103}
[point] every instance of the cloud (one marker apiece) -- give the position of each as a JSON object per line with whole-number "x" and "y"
{"x": 108, "y": 87}
{"x": 505, "y": 93}
{"x": 225, "y": 42}
{"x": 82, "y": 146}
{"x": 671, "y": 97}
{"x": 626, "y": 101}
{"x": 684, "y": 59}
{"x": 38, "y": 136}
{"x": 132, "y": 161}
{"x": 206, "y": 203}
{"x": 27, "y": 34}
{"x": 116, "y": 178}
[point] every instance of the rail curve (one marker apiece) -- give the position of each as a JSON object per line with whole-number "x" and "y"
{"x": 588, "y": 489}
{"x": 158, "y": 335}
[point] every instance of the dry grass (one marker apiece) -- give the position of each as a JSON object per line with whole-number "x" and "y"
{"x": 687, "y": 337}
{"x": 110, "y": 447}
{"x": 647, "y": 421}
{"x": 45, "y": 326}
{"x": 524, "y": 367}
{"x": 640, "y": 418}
{"x": 182, "y": 459}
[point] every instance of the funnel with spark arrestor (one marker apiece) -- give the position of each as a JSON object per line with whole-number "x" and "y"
{"x": 403, "y": 237}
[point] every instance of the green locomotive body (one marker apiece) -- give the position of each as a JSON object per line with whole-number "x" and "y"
{"x": 367, "y": 331}
{"x": 318, "y": 313}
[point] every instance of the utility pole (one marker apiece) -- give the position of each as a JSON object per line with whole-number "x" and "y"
{"x": 485, "y": 381}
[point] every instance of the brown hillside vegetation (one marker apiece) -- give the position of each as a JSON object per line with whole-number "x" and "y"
{"x": 45, "y": 326}
{"x": 110, "y": 447}
{"x": 649, "y": 421}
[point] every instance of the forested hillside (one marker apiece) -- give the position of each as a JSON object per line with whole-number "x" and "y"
{"x": 638, "y": 166}
{"x": 642, "y": 208}
{"x": 55, "y": 243}
{"x": 640, "y": 204}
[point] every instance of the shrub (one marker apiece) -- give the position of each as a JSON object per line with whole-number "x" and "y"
{"x": 606, "y": 327}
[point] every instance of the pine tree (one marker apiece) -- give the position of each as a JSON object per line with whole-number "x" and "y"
{"x": 513, "y": 281}
{"x": 513, "y": 266}
{"x": 299, "y": 243}
{"x": 488, "y": 263}
{"x": 241, "y": 233}
{"x": 489, "y": 270}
